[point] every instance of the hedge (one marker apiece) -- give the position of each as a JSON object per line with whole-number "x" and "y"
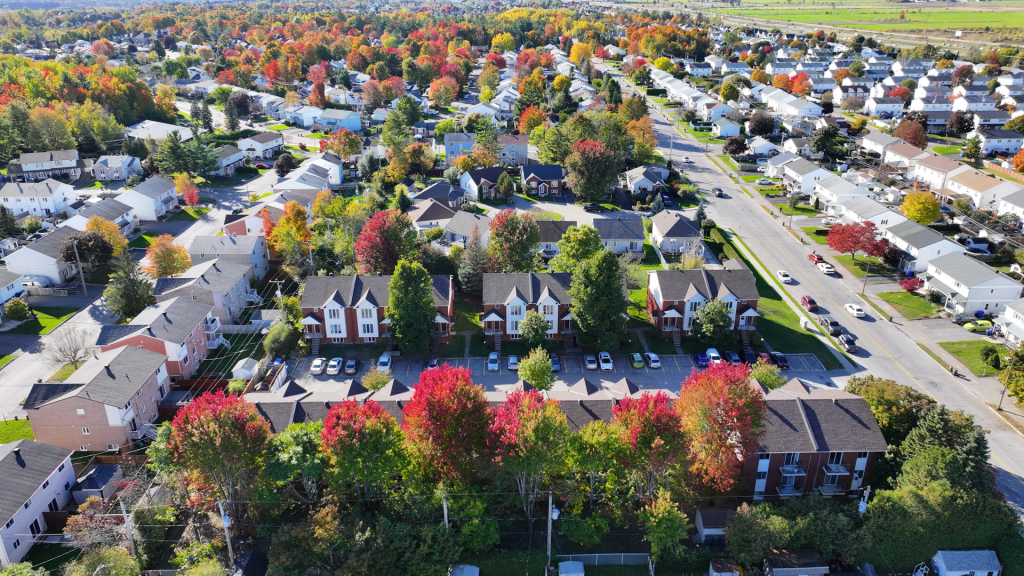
{"x": 727, "y": 248}
{"x": 656, "y": 92}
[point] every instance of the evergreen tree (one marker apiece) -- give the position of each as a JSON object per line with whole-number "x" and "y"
{"x": 555, "y": 147}
{"x": 701, "y": 214}
{"x": 474, "y": 264}
{"x": 598, "y": 301}
{"x": 231, "y": 117}
{"x": 130, "y": 290}
{"x": 8, "y": 225}
{"x": 206, "y": 118}
{"x": 201, "y": 157}
{"x": 613, "y": 92}
{"x": 171, "y": 158}
{"x": 412, "y": 310}
{"x": 195, "y": 112}
{"x": 658, "y": 205}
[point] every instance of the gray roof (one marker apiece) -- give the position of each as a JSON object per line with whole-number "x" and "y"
{"x": 881, "y": 138}
{"x": 52, "y": 156}
{"x": 459, "y": 137}
{"x": 1015, "y": 198}
{"x": 801, "y": 418}
{"x": 864, "y": 207}
{"x": 916, "y": 235}
{"x": 112, "y": 378}
{"x": 154, "y": 187}
{"x": 440, "y": 190}
{"x": 51, "y": 243}
{"x": 44, "y": 189}
{"x": 796, "y": 562}
{"x": 227, "y": 151}
{"x": 964, "y": 269}
{"x": 675, "y": 225}
{"x": 225, "y": 244}
{"x": 116, "y": 161}
{"x": 108, "y": 209}
{"x": 803, "y": 167}
{"x": 489, "y": 174}
{"x": 337, "y": 114}
{"x": 553, "y": 230}
{"x": 430, "y": 210}
{"x": 970, "y": 560}
{"x": 22, "y": 474}
{"x": 679, "y": 285}
{"x": 350, "y": 290}
{"x": 783, "y": 158}
{"x": 214, "y": 276}
{"x": 498, "y": 287}
{"x": 620, "y": 229}
{"x": 171, "y": 321}
{"x": 463, "y": 223}
{"x": 7, "y": 278}
{"x": 265, "y": 137}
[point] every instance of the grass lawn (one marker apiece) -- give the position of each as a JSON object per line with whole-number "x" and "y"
{"x": 223, "y": 360}
{"x": 728, "y": 161}
{"x": 969, "y": 352}
{"x": 504, "y": 562}
{"x": 454, "y": 349}
{"x": 5, "y": 360}
{"x": 658, "y": 343}
{"x": 752, "y": 178}
{"x": 860, "y": 267}
{"x": 909, "y": 306}
{"x": 94, "y": 184}
{"x": 946, "y": 149}
{"x": 638, "y": 298}
{"x": 52, "y": 557}
{"x": 62, "y": 374}
{"x": 143, "y": 241}
{"x": 188, "y": 214}
{"x": 11, "y": 430}
{"x": 47, "y": 318}
{"x": 279, "y": 127}
{"x": 466, "y": 316}
{"x": 477, "y": 345}
{"x": 798, "y": 210}
{"x": 539, "y": 215}
{"x": 814, "y": 237}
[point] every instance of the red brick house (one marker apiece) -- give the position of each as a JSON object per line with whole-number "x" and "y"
{"x": 507, "y": 298}
{"x": 674, "y": 296}
{"x": 542, "y": 179}
{"x": 815, "y": 440}
{"x": 353, "y": 309}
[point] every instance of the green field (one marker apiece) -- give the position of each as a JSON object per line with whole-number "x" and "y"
{"x": 969, "y": 352}
{"x": 143, "y": 241}
{"x": 12, "y": 430}
{"x": 904, "y": 18}
{"x": 909, "y": 306}
{"x": 189, "y": 214}
{"x": 47, "y": 318}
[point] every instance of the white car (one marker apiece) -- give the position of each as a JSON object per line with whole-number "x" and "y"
{"x": 784, "y": 277}
{"x": 493, "y": 362}
{"x": 335, "y": 366}
{"x": 830, "y": 221}
{"x": 762, "y": 168}
{"x": 826, "y": 268}
{"x": 384, "y": 362}
{"x": 763, "y": 182}
{"x": 513, "y": 363}
{"x": 605, "y": 360}
{"x": 686, "y": 159}
{"x": 713, "y": 356}
{"x": 855, "y": 310}
{"x": 317, "y": 367}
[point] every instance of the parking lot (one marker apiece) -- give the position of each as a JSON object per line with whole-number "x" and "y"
{"x": 674, "y": 370}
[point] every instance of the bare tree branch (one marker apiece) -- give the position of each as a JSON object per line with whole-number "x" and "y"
{"x": 68, "y": 346}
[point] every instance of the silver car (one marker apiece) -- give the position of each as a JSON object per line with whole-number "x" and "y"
{"x": 493, "y": 362}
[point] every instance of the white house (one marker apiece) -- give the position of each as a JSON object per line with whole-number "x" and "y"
{"x": 332, "y": 164}
{"x": 646, "y": 178}
{"x": 37, "y": 479}
{"x": 263, "y": 145}
{"x": 480, "y": 183}
{"x": 621, "y": 234}
{"x": 43, "y": 258}
{"x": 724, "y": 128}
{"x": 304, "y": 116}
{"x": 878, "y": 142}
{"x": 119, "y": 167}
{"x": 331, "y": 120}
{"x": 109, "y": 209}
{"x": 984, "y": 189}
{"x": 998, "y": 140}
{"x": 35, "y": 166}
{"x": 834, "y": 190}
{"x": 802, "y": 175}
{"x": 918, "y": 244}
{"x": 966, "y": 563}
{"x": 889, "y": 106}
{"x": 712, "y": 110}
{"x": 673, "y": 233}
{"x": 42, "y": 199}
{"x": 248, "y": 250}
{"x": 937, "y": 170}
{"x": 1012, "y": 203}
{"x": 775, "y": 164}
{"x": 699, "y": 69}
{"x": 430, "y": 214}
{"x": 229, "y": 159}
{"x": 865, "y": 209}
{"x": 969, "y": 286}
{"x": 758, "y": 146}
{"x": 151, "y": 199}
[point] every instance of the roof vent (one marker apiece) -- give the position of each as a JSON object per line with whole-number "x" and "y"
{"x": 17, "y": 451}
{"x": 166, "y": 317}
{"x": 327, "y": 404}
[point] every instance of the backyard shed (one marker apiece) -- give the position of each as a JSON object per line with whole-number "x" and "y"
{"x": 570, "y": 568}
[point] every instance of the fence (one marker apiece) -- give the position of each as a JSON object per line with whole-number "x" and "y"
{"x": 1000, "y": 170}
{"x": 241, "y": 328}
{"x": 201, "y": 385}
{"x": 607, "y": 559}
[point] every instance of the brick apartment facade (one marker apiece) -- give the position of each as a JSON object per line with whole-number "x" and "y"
{"x": 675, "y": 296}
{"x": 508, "y": 297}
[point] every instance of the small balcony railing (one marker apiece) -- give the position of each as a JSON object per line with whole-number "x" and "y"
{"x": 789, "y": 491}
{"x": 793, "y": 470}
{"x": 212, "y": 326}
{"x": 836, "y": 470}
{"x": 831, "y": 490}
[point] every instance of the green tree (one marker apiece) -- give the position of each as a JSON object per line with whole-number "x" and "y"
{"x": 612, "y": 90}
{"x": 512, "y": 245}
{"x": 956, "y": 431}
{"x": 474, "y": 263}
{"x": 130, "y": 290}
{"x": 505, "y": 187}
{"x": 23, "y": 569}
{"x": 555, "y": 147}
{"x": 896, "y": 407}
{"x": 579, "y": 243}
{"x": 409, "y": 110}
{"x": 642, "y": 76}
{"x": 664, "y": 525}
{"x": 712, "y": 325}
{"x": 754, "y": 532}
{"x": 825, "y": 140}
{"x": 231, "y": 120}
{"x": 768, "y": 374}
{"x": 533, "y": 328}
{"x": 972, "y": 149}
{"x": 170, "y": 158}
{"x": 8, "y": 225}
{"x": 598, "y": 301}
{"x": 412, "y": 309}
{"x": 930, "y": 465}
{"x": 295, "y": 456}
{"x": 593, "y": 458}
{"x": 535, "y": 369}
{"x": 202, "y": 158}
{"x": 282, "y": 340}
{"x": 729, "y": 92}
{"x": 633, "y": 108}
{"x": 114, "y": 562}
{"x": 205, "y": 119}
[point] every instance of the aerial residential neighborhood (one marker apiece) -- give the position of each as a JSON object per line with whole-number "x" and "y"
{"x": 527, "y": 288}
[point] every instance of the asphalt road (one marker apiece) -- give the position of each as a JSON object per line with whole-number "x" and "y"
{"x": 886, "y": 350}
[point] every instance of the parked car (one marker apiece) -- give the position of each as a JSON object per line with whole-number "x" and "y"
{"x": 556, "y": 363}
{"x": 606, "y": 362}
{"x": 815, "y": 257}
{"x": 262, "y": 166}
{"x": 846, "y": 343}
{"x": 513, "y": 363}
{"x": 784, "y": 277}
{"x": 830, "y": 221}
{"x": 719, "y": 193}
{"x": 732, "y": 358}
{"x": 826, "y": 268}
{"x": 766, "y": 357}
{"x": 35, "y": 281}
{"x": 829, "y": 325}
{"x": 432, "y": 363}
{"x": 749, "y": 356}
{"x": 780, "y": 360}
{"x": 960, "y": 319}
{"x": 335, "y": 366}
{"x": 590, "y": 361}
{"x": 978, "y": 326}
{"x": 855, "y": 310}
{"x": 652, "y": 360}
{"x": 352, "y": 366}
{"x": 713, "y": 356}
{"x": 686, "y": 159}
{"x": 809, "y": 303}
{"x": 666, "y": 199}
{"x": 636, "y": 360}
{"x": 493, "y": 362}
{"x": 700, "y": 360}
{"x": 763, "y": 182}
{"x": 318, "y": 365}
{"x": 762, "y": 169}
{"x": 384, "y": 362}
{"x": 594, "y": 208}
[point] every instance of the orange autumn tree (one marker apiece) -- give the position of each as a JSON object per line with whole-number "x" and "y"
{"x": 531, "y": 118}
{"x": 110, "y": 231}
{"x": 166, "y": 259}
{"x": 1018, "y": 161}
{"x": 801, "y": 84}
{"x": 782, "y": 82}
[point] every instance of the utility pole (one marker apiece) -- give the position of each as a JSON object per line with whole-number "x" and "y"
{"x": 550, "y": 509}
{"x": 128, "y": 527}
{"x": 226, "y": 521}
{"x": 81, "y": 273}
{"x": 444, "y": 503}
{"x": 867, "y": 273}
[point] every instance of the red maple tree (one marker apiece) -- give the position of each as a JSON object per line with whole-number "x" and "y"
{"x": 911, "y": 284}
{"x": 722, "y": 416}
{"x": 387, "y": 237}
{"x": 445, "y": 425}
{"x": 268, "y": 222}
{"x": 191, "y": 196}
{"x": 858, "y": 237}
{"x": 912, "y": 133}
{"x": 651, "y": 427}
{"x": 497, "y": 60}
{"x": 901, "y": 92}
{"x": 801, "y": 84}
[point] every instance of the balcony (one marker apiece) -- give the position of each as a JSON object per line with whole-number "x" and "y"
{"x": 836, "y": 470}
{"x": 218, "y": 342}
{"x": 793, "y": 470}
{"x": 789, "y": 491}
{"x": 493, "y": 332}
{"x": 831, "y": 490}
{"x": 252, "y": 296}
{"x": 212, "y": 326}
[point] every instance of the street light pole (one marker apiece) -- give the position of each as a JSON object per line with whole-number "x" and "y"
{"x": 866, "y": 274}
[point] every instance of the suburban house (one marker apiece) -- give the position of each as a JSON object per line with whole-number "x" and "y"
{"x": 918, "y": 245}
{"x": 969, "y": 286}
{"x": 223, "y": 285}
{"x": 304, "y": 116}
{"x": 262, "y": 146}
{"x": 119, "y": 167}
{"x": 332, "y": 119}
{"x": 834, "y": 190}
{"x": 10, "y": 287}
{"x": 34, "y": 166}
{"x": 182, "y": 329}
{"x": 711, "y": 524}
{"x": 43, "y": 258}
{"x": 998, "y": 140}
{"x": 37, "y": 479}
{"x": 724, "y": 128}
{"x": 551, "y": 232}
{"x": 1012, "y": 203}
{"x": 675, "y": 296}
{"x": 866, "y": 209}
{"x": 902, "y": 157}
{"x": 984, "y": 190}
{"x": 936, "y": 170}
{"x": 353, "y": 309}
{"x": 459, "y": 229}
{"x": 507, "y": 298}
{"x": 542, "y": 179}
{"x": 250, "y": 251}
{"x": 514, "y": 149}
{"x": 760, "y": 147}
{"x": 457, "y": 144}
{"x": 151, "y": 199}
{"x": 649, "y": 178}
{"x": 774, "y": 168}
{"x": 673, "y": 233}
{"x": 479, "y": 183}
{"x": 966, "y": 563}
{"x": 621, "y": 235}
{"x": 441, "y": 191}
{"x": 815, "y": 439}
{"x": 40, "y": 199}
{"x": 801, "y": 147}
{"x": 803, "y": 175}
{"x": 229, "y": 159}
{"x": 878, "y": 142}
{"x": 110, "y": 210}
{"x": 156, "y": 130}
{"x": 104, "y": 404}
{"x": 430, "y": 214}
{"x": 878, "y": 106}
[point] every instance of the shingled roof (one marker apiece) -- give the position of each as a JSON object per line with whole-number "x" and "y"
{"x": 350, "y": 290}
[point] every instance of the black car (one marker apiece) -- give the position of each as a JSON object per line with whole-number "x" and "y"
{"x": 960, "y": 319}
{"x": 556, "y": 363}
{"x": 594, "y": 208}
{"x": 719, "y": 193}
{"x": 749, "y": 356}
{"x": 780, "y": 360}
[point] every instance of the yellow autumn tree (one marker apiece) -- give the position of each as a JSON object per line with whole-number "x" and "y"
{"x": 580, "y": 52}
{"x": 109, "y": 231}
{"x": 921, "y": 207}
{"x": 560, "y": 82}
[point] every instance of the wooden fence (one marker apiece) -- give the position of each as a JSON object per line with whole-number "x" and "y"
{"x": 1008, "y": 172}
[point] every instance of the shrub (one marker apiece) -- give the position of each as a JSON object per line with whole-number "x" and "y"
{"x": 237, "y": 386}
{"x": 935, "y": 297}
{"x": 16, "y": 309}
{"x": 717, "y": 236}
{"x": 432, "y": 234}
{"x": 911, "y": 284}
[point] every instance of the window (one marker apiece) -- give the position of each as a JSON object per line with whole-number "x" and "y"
{"x": 34, "y": 527}
{"x": 693, "y": 306}
{"x": 766, "y": 456}
{"x": 139, "y": 393}
{"x": 515, "y": 310}
{"x": 67, "y": 486}
{"x": 17, "y": 544}
{"x": 186, "y": 360}
{"x": 334, "y": 313}
{"x": 862, "y": 454}
{"x": 548, "y": 309}
{"x": 792, "y": 458}
{"x": 83, "y": 447}
{"x": 369, "y": 339}
{"x": 112, "y": 447}
{"x": 514, "y": 326}
{"x": 27, "y": 504}
{"x": 835, "y": 458}
{"x": 366, "y": 313}
{"x": 9, "y": 523}
{"x": 45, "y": 484}
{"x": 80, "y": 412}
{"x": 85, "y": 431}
{"x": 367, "y": 328}
{"x": 762, "y": 475}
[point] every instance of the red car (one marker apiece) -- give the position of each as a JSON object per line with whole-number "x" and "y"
{"x": 809, "y": 303}
{"x": 262, "y": 166}
{"x": 816, "y": 258}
